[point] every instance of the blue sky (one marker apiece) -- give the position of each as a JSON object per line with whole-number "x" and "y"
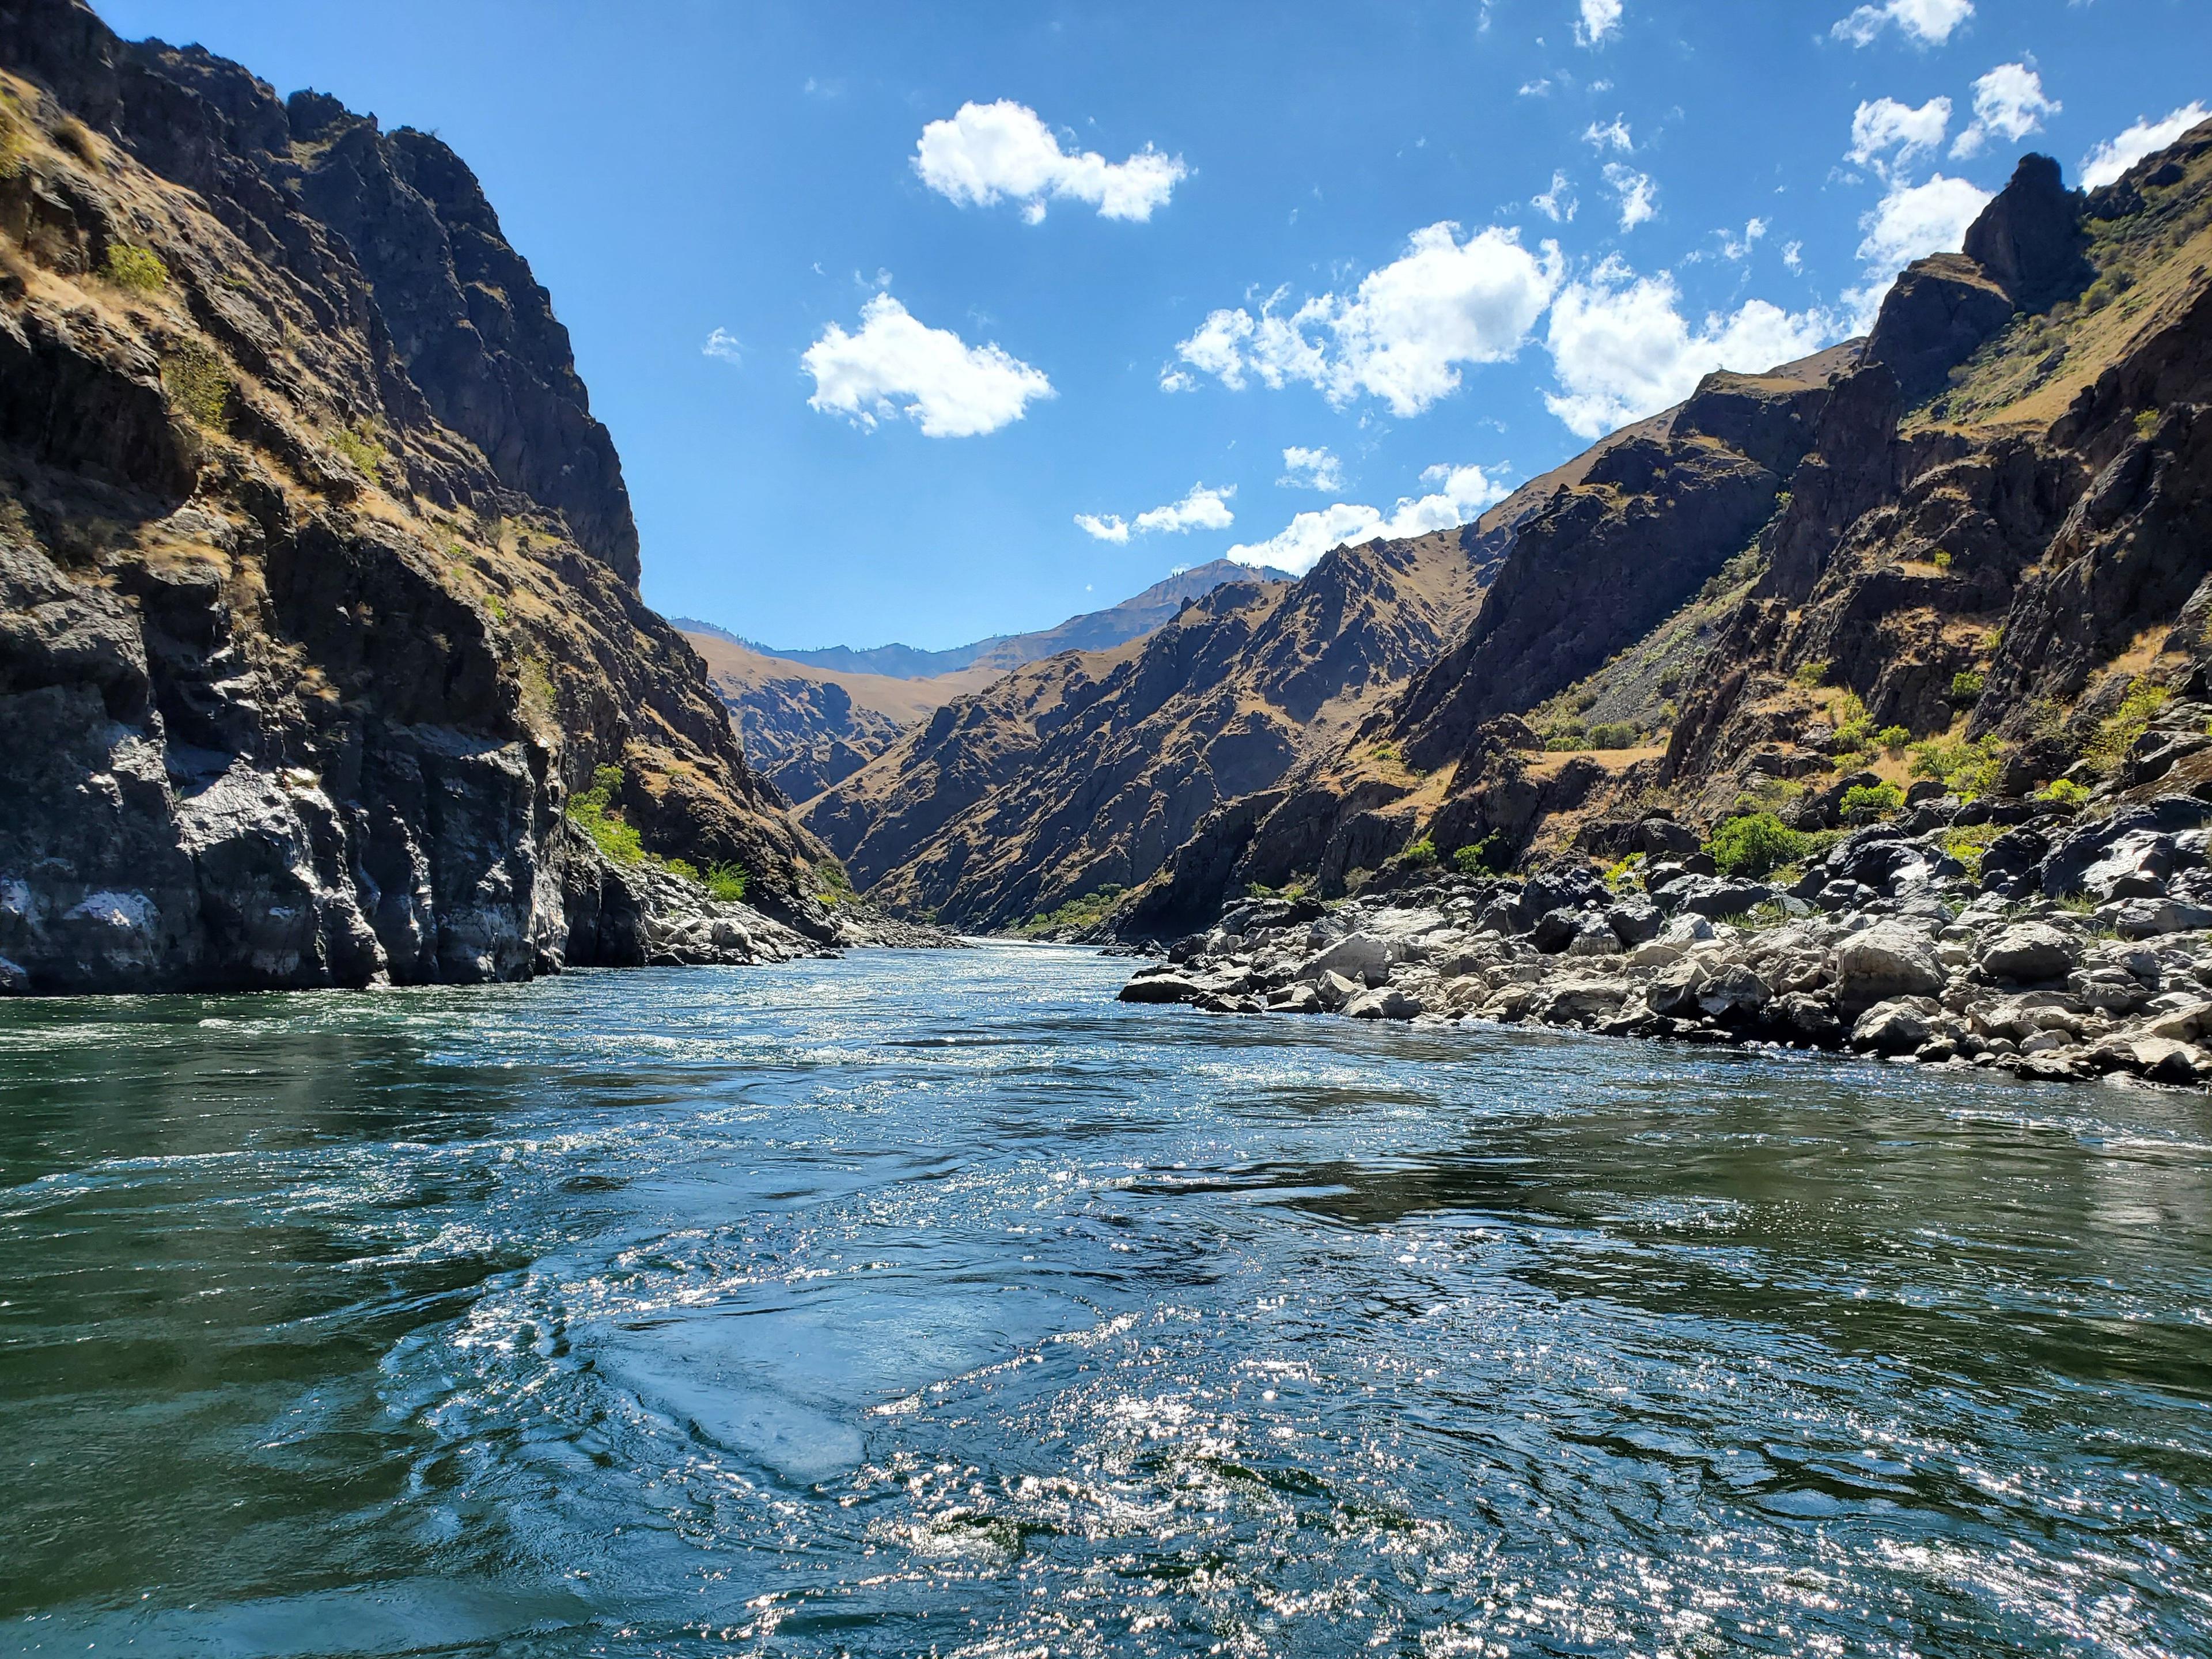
{"x": 923, "y": 324}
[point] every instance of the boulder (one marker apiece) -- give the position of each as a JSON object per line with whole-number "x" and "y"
{"x": 2148, "y": 918}
{"x": 1594, "y": 937}
{"x": 1555, "y": 930}
{"x": 1161, "y": 988}
{"x": 1717, "y": 896}
{"x": 1635, "y": 921}
{"x": 1300, "y": 999}
{"x": 1807, "y": 1018}
{"x": 1577, "y": 1001}
{"x": 2029, "y": 953}
{"x": 1674, "y": 994}
{"x": 2183, "y": 1024}
{"x": 1733, "y": 994}
{"x": 1900, "y": 1026}
{"x": 1884, "y": 960}
{"x": 1334, "y": 990}
{"x": 1392, "y": 1002}
{"x": 1358, "y": 955}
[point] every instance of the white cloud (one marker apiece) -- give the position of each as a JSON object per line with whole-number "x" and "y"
{"x": 1312, "y": 468}
{"x": 1793, "y": 255}
{"x": 1203, "y": 509}
{"x": 1622, "y": 350}
{"x": 1461, "y": 493}
{"x": 2010, "y": 104}
{"x": 1885, "y": 125}
{"x": 1558, "y": 204}
{"x": 1614, "y": 134}
{"x": 1111, "y": 528}
{"x": 1401, "y": 335}
{"x": 725, "y": 345}
{"x": 1600, "y": 20}
{"x": 1537, "y": 88}
{"x": 1914, "y": 221}
{"x": 2105, "y": 164}
{"x": 1926, "y": 22}
{"x": 895, "y": 365}
{"x": 1739, "y": 247}
{"x": 989, "y": 153}
{"x": 1911, "y": 222}
{"x": 1639, "y": 195}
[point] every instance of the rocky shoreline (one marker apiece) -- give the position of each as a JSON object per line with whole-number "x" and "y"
{"x": 2068, "y": 949}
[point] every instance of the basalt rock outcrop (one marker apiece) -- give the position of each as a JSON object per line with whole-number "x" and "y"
{"x": 1982, "y": 536}
{"x": 2089, "y": 956}
{"x": 316, "y": 575}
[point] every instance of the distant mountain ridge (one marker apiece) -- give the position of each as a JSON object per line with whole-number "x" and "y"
{"x": 1093, "y": 630}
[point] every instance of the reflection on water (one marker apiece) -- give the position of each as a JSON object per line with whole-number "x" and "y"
{"x": 937, "y": 1303}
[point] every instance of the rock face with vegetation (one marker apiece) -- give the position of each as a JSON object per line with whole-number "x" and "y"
{"x": 2029, "y": 938}
{"x": 1088, "y": 771}
{"x": 1931, "y": 779}
{"x": 1971, "y": 552}
{"x": 318, "y": 579}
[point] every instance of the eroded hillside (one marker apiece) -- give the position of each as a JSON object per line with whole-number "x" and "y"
{"x": 1971, "y": 555}
{"x": 317, "y": 578}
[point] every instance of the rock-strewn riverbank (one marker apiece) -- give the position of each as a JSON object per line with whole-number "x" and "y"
{"x": 2076, "y": 949}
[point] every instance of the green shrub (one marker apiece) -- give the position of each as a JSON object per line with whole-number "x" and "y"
{"x": 592, "y": 811}
{"x": 1754, "y": 845}
{"x": 1626, "y": 875}
{"x": 1488, "y": 857}
{"x": 358, "y": 445}
{"x": 2145, "y": 422}
{"x": 2116, "y": 734}
{"x": 726, "y": 882}
{"x": 1893, "y": 738}
{"x": 1810, "y": 674}
{"x": 1871, "y": 800}
{"x": 1942, "y": 558}
{"x": 1085, "y": 911}
{"x": 1421, "y": 855}
{"x": 197, "y": 385}
{"x": 2064, "y": 790}
{"x": 138, "y": 268}
{"x": 1968, "y": 844}
{"x": 1966, "y": 686}
{"x": 1613, "y": 734}
{"x": 1385, "y": 751}
{"x": 1964, "y": 769}
{"x": 1854, "y": 725}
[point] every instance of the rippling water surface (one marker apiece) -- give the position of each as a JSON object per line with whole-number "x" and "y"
{"x": 936, "y": 1304}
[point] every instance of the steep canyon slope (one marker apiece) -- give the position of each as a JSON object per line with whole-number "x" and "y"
{"x": 1983, "y": 533}
{"x": 317, "y": 578}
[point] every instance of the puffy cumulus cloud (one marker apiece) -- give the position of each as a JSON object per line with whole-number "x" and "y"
{"x": 1924, "y": 22}
{"x": 989, "y": 153}
{"x": 2105, "y": 164}
{"x": 1558, "y": 204}
{"x": 1459, "y": 494}
{"x": 2009, "y": 104}
{"x": 724, "y": 345}
{"x": 1638, "y": 194}
{"x": 1599, "y": 20}
{"x": 1622, "y": 350}
{"x": 1886, "y": 133}
{"x": 1913, "y": 220}
{"x": 1401, "y": 336}
{"x": 1312, "y": 468}
{"x": 1909, "y": 223}
{"x": 1203, "y": 509}
{"x": 895, "y": 365}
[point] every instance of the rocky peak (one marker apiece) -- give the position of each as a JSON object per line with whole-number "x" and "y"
{"x": 2030, "y": 239}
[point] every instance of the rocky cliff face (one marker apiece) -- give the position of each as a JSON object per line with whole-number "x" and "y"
{"x": 1089, "y": 770}
{"x": 1983, "y": 534}
{"x": 317, "y": 577}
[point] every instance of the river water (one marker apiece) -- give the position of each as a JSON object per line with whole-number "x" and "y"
{"x": 936, "y": 1304}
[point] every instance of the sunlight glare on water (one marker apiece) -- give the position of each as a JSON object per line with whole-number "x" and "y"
{"x": 936, "y": 1304}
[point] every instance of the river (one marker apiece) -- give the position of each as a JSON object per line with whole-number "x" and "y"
{"x": 934, "y": 1302}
